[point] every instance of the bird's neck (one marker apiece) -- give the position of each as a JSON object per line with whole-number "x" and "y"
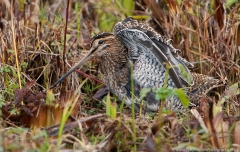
{"x": 115, "y": 67}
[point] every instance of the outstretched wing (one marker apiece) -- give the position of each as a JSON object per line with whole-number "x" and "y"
{"x": 146, "y": 45}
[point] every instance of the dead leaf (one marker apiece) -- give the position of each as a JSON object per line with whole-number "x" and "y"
{"x": 219, "y": 15}
{"x": 199, "y": 118}
{"x": 100, "y": 93}
{"x": 207, "y": 117}
{"x": 19, "y": 95}
{"x": 219, "y": 127}
{"x": 35, "y": 97}
{"x": 236, "y": 133}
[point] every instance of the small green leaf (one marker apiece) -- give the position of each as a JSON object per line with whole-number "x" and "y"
{"x": 230, "y": 2}
{"x": 13, "y": 111}
{"x": 24, "y": 65}
{"x": 182, "y": 96}
{"x": 68, "y": 36}
{"x": 233, "y": 91}
{"x": 185, "y": 73}
{"x": 111, "y": 108}
{"x": 211, "y": 7}
{"x": 2, "y": 99}
{"x": 5, "y": 69}
{"x": 108, "y": 106}
{"x": 179, "y": 2}
{"x": 163, "y": 93}
{"x": 144, "y": 92}
{"x": 14, "y": 72}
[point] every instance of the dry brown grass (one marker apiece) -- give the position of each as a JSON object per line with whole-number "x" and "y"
{"x": 37, "y": 45}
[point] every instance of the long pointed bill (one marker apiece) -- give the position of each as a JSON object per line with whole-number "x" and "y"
{"x": 73, "y": 68}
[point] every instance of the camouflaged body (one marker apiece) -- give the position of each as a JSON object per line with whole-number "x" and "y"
{"x": 136, "y": 54}
{"x": 137, "y": 57}
{"x": 150, "y": 72}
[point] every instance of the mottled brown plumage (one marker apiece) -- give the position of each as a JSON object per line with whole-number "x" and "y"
{"x": 139, "y": 44}
{"x": 202, "y": 86}
{"x": 113, "y": 62}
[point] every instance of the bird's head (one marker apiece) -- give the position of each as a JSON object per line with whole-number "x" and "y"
{"x": 101, "y": 45}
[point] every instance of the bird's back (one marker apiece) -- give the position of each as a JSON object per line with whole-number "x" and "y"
{"x": 149, "y": 52}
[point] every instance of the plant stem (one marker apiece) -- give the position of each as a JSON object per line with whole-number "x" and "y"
{"x": 15, "y": 47}
{"x": 133, "y": 111}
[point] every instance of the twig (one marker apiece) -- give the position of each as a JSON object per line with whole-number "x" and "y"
{"x": 65, "y": 37}
{"x": 70, "y": 126}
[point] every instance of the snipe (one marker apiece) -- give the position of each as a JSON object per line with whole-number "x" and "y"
{"x": 150, "y": 53}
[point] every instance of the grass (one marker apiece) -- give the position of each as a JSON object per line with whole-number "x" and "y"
{"x": 41, "y": 45}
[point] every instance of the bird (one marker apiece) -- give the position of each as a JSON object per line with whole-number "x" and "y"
{"x": 135, "y": 54}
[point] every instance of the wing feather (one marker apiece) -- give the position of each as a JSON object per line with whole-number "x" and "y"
{"x": 129, "y": 29}
{"x": 144, "y": 46}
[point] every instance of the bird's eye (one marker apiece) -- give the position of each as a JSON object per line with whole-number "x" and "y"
{"x": 100, "y": 42}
